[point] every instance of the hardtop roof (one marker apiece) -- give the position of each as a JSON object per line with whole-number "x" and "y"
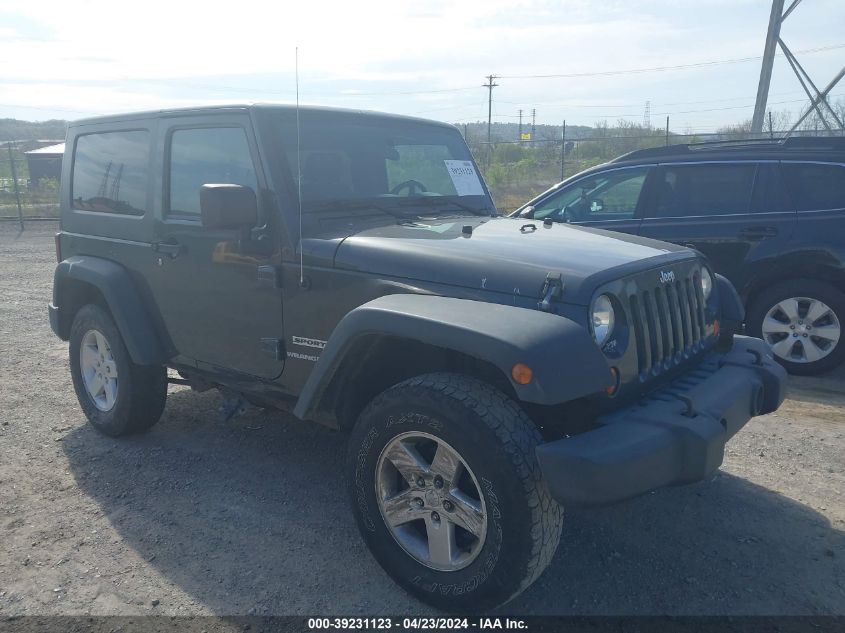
{"x": 246, "y": 107}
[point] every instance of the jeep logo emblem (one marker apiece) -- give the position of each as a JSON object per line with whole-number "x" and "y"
{"x": 667, "y": 276}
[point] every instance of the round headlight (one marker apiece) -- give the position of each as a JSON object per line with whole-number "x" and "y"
{"x": 706, "y": 283}
{"x": 602, "y": 319}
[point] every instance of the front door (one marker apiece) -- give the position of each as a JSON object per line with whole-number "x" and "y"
{"x": 736, "y": 213}
{"x": 217, "y": 311}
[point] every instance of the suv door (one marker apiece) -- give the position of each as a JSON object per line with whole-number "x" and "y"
{"x": 736, "y": 213}
{"x": 217, "y": 312}
{"x": 608, "y": 199}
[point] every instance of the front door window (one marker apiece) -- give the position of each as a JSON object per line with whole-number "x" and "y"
{"x": 610, "y": 195}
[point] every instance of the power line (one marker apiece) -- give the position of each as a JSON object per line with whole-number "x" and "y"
{"x": 566, "y": 104}
{"x": 352, "y": 93}
{"x": 633, "y": 71}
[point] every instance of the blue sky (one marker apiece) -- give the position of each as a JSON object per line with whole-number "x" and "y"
{"x": 73, "y": 59}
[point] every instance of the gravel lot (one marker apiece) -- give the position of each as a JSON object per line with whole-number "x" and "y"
{"x": 250, "y": 517}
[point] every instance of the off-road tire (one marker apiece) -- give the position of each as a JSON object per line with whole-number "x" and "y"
{"x": 811, "y": 288}
{"x": 142, "y": 390}
{"x": 497, "y": 441}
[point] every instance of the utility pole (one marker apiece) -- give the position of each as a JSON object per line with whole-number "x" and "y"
{"x": 562, "y": 148}
{"x": 489, "y": 85}
{"x": 647, "y": 116}
{"x": 771, "y": 129}
{"x": 667, "y": 129}
{"x": 533, "y": 124}
{"x": 772, "y": 37}
{"x": 15, "y": 180}
{"x": 520, "y": 126}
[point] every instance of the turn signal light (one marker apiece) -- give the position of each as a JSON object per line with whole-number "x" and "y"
{"x": 521, "y": 374}
{"x": 611, "y": 389}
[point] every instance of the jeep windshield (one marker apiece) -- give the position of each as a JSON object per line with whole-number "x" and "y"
{"x": 357, "y": 162}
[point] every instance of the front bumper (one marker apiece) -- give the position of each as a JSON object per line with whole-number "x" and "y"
{"x": 676, "y": 435}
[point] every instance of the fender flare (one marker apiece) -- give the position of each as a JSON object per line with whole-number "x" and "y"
{"x": 114, "y": 283}
{"x": 566, "y": 363}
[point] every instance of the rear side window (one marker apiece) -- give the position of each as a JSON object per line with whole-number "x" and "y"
{"x": 769, "y": 190}
{"x": 206, "y": 156}
{"x": 704, "y": 189}
{"x": 816, "y": 187}
{"x": 111, "y": 172}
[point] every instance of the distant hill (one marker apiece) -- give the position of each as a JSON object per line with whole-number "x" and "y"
{"x": 15, "y": 130}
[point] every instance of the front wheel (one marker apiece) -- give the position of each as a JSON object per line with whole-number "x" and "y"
{"x": 447, "y": 492}
{"x": 801, "y": 321}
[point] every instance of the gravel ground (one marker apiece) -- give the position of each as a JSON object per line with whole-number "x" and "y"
{"x": 250, "y": 517}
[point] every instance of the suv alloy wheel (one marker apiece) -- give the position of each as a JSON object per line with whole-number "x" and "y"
{"x": 801, "y": 321}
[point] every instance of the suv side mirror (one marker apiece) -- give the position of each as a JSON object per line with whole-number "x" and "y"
{"x": 228, "y": 206}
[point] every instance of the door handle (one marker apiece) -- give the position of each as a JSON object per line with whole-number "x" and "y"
{"x": 173, "y": 249}
{"x": 756, "y": 233}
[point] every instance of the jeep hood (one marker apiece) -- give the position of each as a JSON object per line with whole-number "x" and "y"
{"x": 504, "y": 255}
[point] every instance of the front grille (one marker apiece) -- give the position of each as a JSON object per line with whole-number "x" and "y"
{"x": 669, "y": 324}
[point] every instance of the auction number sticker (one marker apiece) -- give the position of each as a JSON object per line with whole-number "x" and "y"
{"x": 464, "y": 177}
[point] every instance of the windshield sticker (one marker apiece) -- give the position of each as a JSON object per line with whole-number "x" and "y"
{"x": 466, "y": 181}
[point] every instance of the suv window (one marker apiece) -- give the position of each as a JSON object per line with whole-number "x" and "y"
{"x": 612, "y": 195}
{"x": 203, "y": 156}
{"x": 110, "y": 172}
{"x": 815, "y": 187}
{"x": 704, "y": 189}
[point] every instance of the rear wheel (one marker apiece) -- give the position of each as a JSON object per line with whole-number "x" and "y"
{"x": 447, "y": 492}
{"x": 117, "y": 396}
{"x": 801, "y": 321}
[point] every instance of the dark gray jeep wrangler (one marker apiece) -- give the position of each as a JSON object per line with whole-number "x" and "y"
{"x": 349, "y": 267}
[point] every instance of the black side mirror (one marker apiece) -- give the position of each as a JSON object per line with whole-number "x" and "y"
{"x": 228, "y": 206}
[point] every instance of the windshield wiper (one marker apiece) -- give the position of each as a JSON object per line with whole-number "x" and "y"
{"x": 431, "y": 201}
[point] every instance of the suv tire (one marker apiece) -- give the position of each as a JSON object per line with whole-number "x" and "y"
{"x": 434, "y": 426}
{"x": 117, "y": 396}
{"x": 779, "y": 315}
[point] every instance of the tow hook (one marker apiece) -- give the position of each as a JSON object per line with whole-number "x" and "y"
{"x": 552, "y": 289}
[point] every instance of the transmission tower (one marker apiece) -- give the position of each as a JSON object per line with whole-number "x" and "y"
{"x": 115, "y": 185}
{"x": 818, "y": 98}
{"x": 520, "y": 126}
{"x": 647, "y": 115}
{"x": 533, "y": 124}
{"x": 101, "y": 193}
